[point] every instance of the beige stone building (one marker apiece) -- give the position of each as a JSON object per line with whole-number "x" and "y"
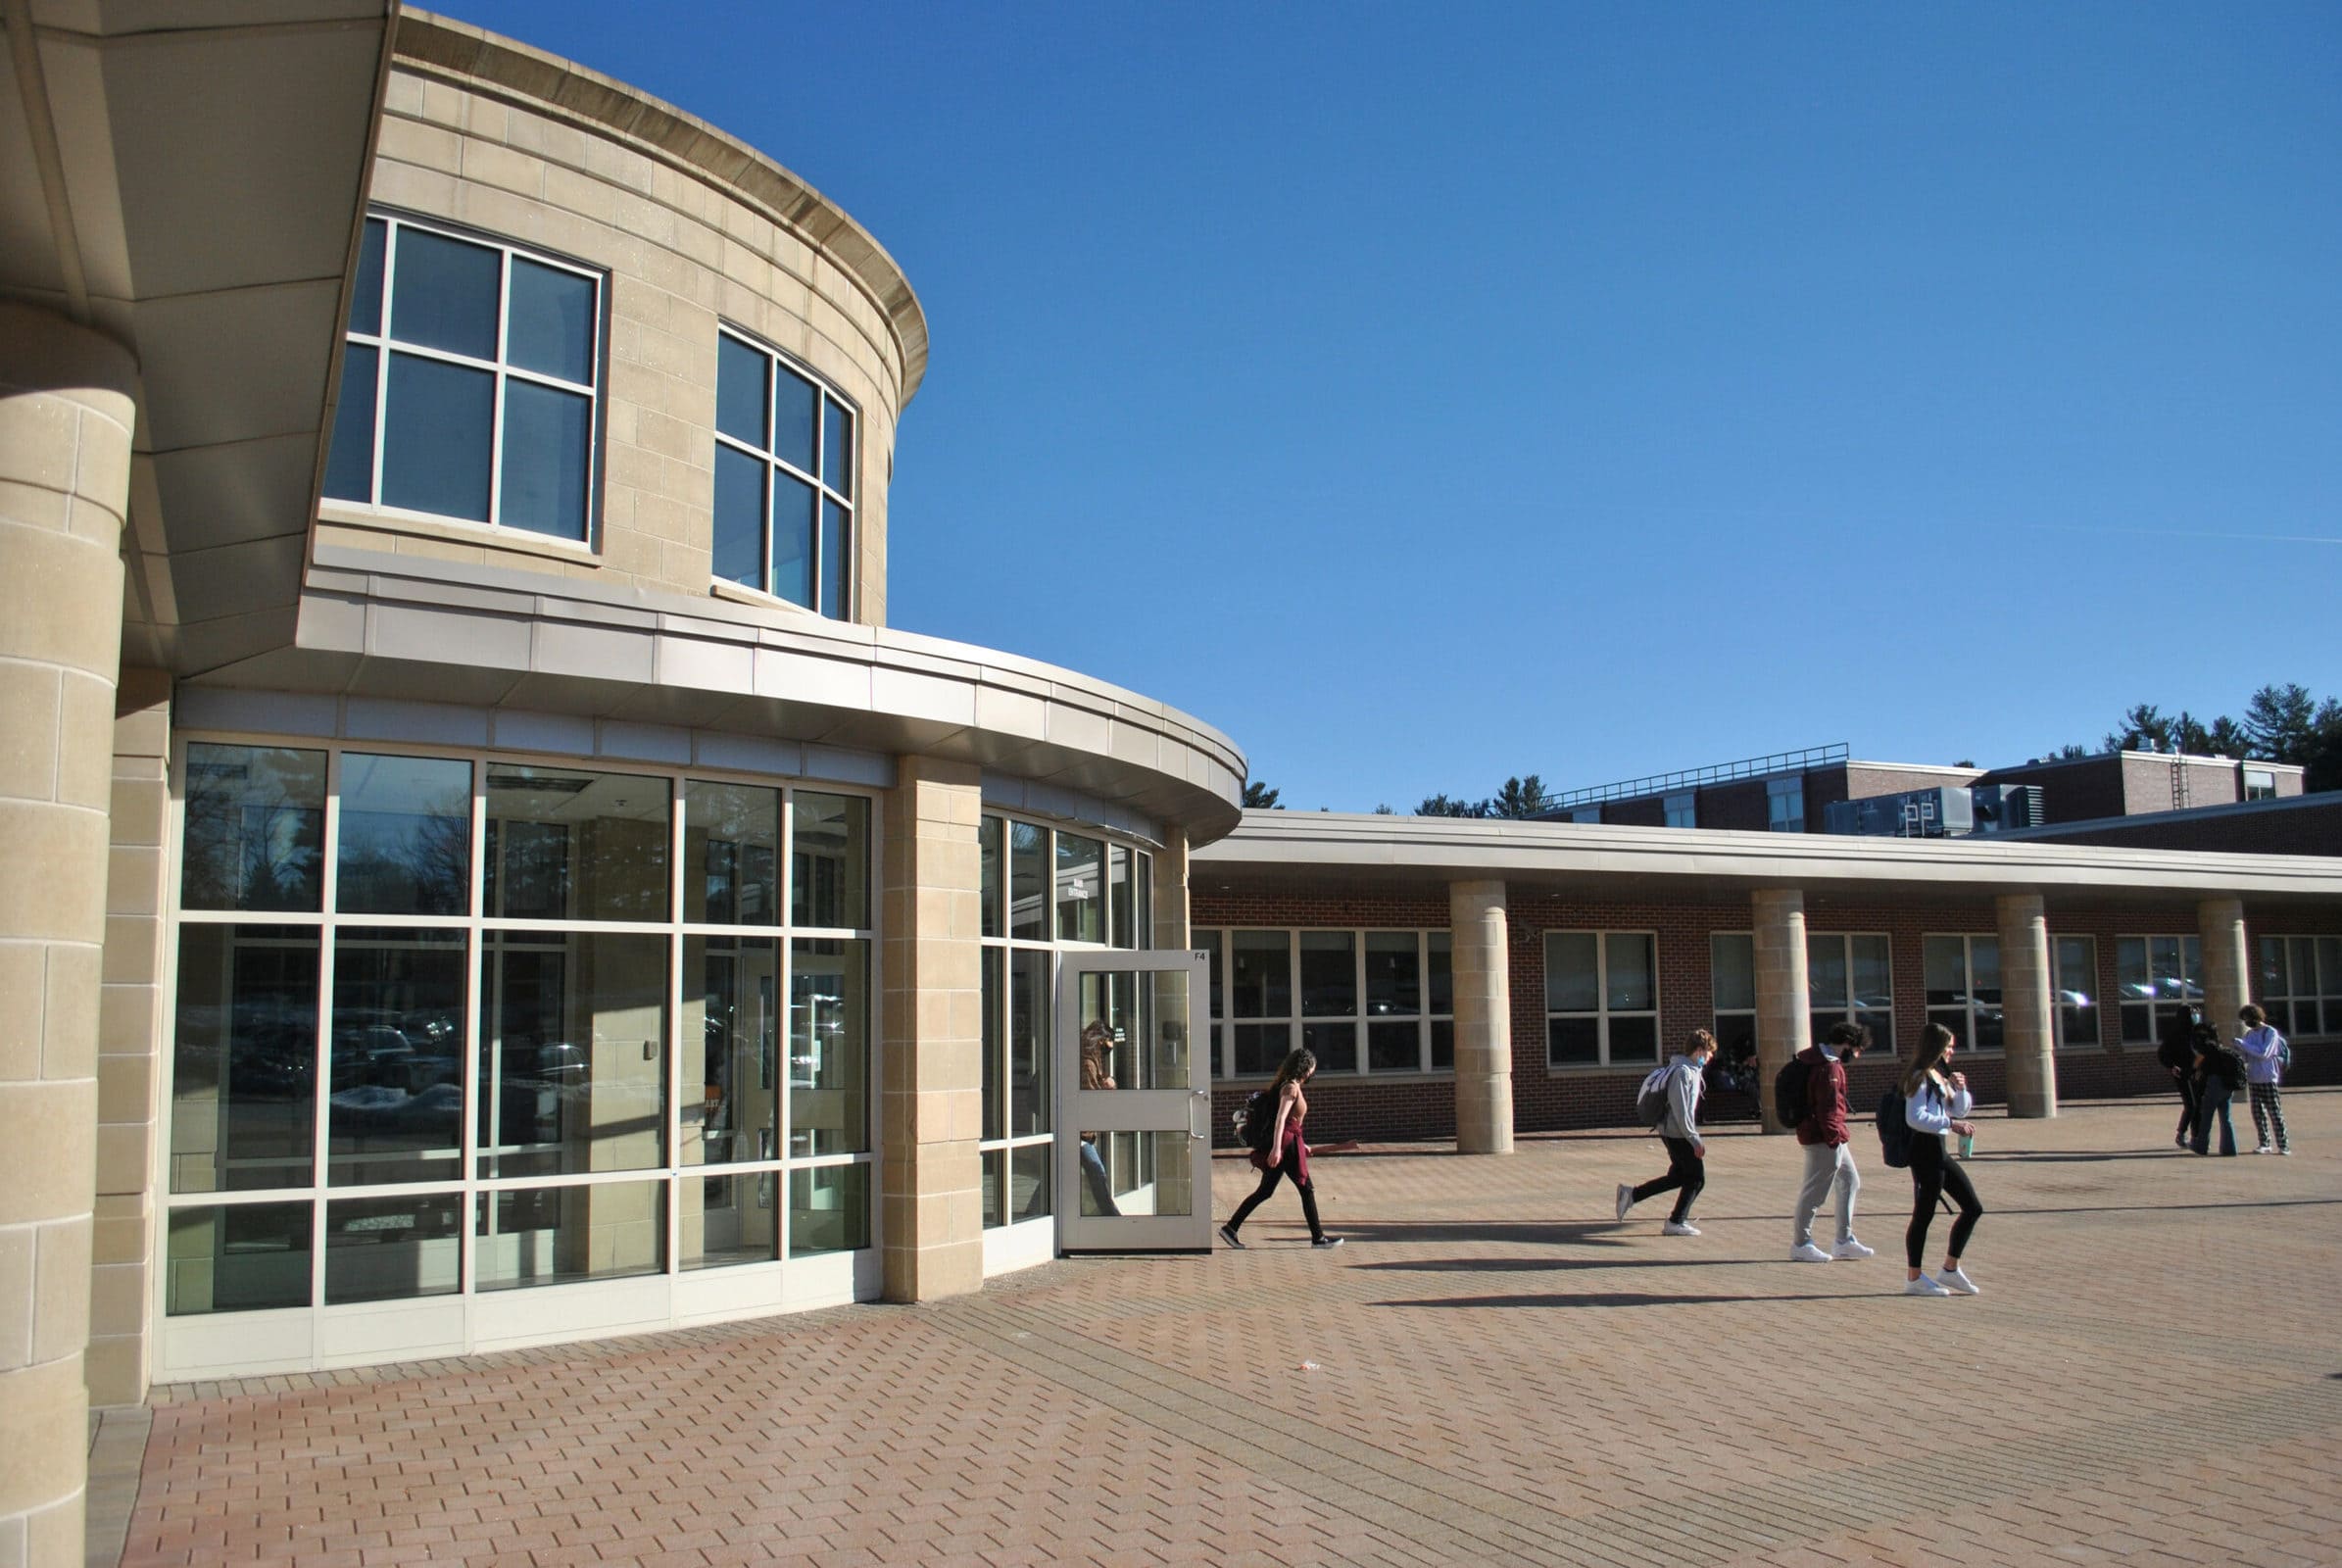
{"x": 478, "y": 869}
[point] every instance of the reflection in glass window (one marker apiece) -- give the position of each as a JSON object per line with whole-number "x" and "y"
{"x": 571, "y": 846}
{"x": 731, "y": 1088}
{"x": 732, "y": 852}
{"x": 1849, "y": 979}
{"x": 478, "y": 338}
{"x": 830, "y": 871}
{"x": 561, "y": 1235}
{"x": 829, "y": 1048}
{"x": 988, "y": 877}
{"x": 1963, "y": 980}
{"x": 394, "y": 1248}
{"x": 2157, "y": 976}
{"x": 2077, "y": 961}
{"x": 1028, "y": 1043}
{"x": 572, "y": 1066}
{"x": 1602, "y": 998}
{"x": 406, "y": 835}
{"x": 395, "y": 1112}
{"x": 1028, "y": 882}
{"x": 784, "y": 494}
{"x": 244, "y": 1076}
{"x": 255, "y": 828}
{"x": 829, "y": 1209}
{"x": 236, "y": 1257}
{"x": 1081, "y": 889}
{"x": 2301, "y": 984}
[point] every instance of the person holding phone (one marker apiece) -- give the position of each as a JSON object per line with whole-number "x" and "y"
{"x": 1935, "y": 1099}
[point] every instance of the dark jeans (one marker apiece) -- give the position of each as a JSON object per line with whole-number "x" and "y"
{"x": 1932, "y": 1176}
{"x": 2187, "y": 1110}
{"x": 1101, "y": 1190}
{"x": 1268, "y": 1184}
{"x": 2211, "y": 1100}
{"x": 1685, "y": 1171}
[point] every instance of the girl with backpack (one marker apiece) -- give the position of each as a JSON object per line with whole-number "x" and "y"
{"x": 2219, "y": 1073}
{"x": 2266, "y": 1057}
{"x": 1934, "y": 1103}
{"x": 1287, "y": 1154}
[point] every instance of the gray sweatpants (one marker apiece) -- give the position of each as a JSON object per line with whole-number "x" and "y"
{"x": 1824, "y": 1165}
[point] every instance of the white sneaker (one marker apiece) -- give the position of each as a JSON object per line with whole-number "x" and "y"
{"x": 1958, "y": 1280}
{"x": 1924, "y": 1286}
{"x": 1626, "y": 1201}
{"x": 1851, "y": 1248}
{"x": 1677, "y": 1227}
{"x": 2264, "y": 1150}
{"x": 1807, "y": 1252}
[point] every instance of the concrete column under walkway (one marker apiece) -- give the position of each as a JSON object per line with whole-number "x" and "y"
{"x": 2228, "y": 964}
{"x": 931, "y": 1096}
{"x": 1785, "y": 1025}
{"x": 2025, "y": 973}
{"x": 68, "y": 405}
{"x": 1483, "y": 1018}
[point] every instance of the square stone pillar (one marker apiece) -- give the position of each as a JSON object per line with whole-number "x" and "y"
{"x": 1170, "y": 912}
{"x": 1483, "y": 1018}
{"x": 67, "y": 405}
{"x": 2228, "y": 964}
{"x": 931, "y": 1086}
{"x": 2025, "y": 974}
{"x": 1785, "y": 1004}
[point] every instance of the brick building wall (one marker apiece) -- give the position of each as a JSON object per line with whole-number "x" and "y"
{"x": 2302, "y": 825}
{"x": 1548, "y": 1099}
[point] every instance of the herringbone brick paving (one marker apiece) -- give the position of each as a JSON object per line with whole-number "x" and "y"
{"x": 1501, "y": 1375}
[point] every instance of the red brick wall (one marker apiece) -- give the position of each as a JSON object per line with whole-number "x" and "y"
{"x": 2312, "y": 826}
{"x": 1649, "y": 812}
{"x": 1738, "y": 805}
{"x": 1414, "y": 1106}
{"x": 2070, "y": 792}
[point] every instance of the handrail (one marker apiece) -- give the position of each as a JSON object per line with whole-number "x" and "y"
{"x": 1797, "y": 761}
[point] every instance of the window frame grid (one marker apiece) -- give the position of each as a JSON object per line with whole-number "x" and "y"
{"x": 2325, "y": 992}
{"x": 1853, "y": 1008}
{"x": 466, "y": 1189}
{"x": 1718, "y": 1013}
{"x": 2157, "y": 1006}
{"x": 382, "y": 341}
{"x": 1224, "y": 1024}
{"x": 2058, "y": 1006}
{"x": 1604, "y": 1013}
{"x": 825, "y": 393}
{"x": 1968, "y": 989}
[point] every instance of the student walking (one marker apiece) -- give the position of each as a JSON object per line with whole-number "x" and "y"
{"x": 1097, "y": 1040}
{"x": 1678, "y": 1129}
{"x": 2177, "y": 1054}
{"x": 2219, "y": 1073}
{"x": 1934, "y": 1102}
{"x": 1287, "y": 1152}
{"x": 1822, "y": 1133}
{"x": 2265, "y": 1055}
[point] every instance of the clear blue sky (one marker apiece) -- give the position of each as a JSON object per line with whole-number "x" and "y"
{"x": 1425, "y": 394}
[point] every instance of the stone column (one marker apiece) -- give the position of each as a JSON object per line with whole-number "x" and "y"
{"x": 1170, "y": 912}
{"x": 1784, "y": 1016}
{"x": 67, "y": 411}
{"x": 2228, "y": 964}
{"x": 1483, "y": 1018}
{"x": 931, "y": 1087}
{"x": 2025, "y": 973}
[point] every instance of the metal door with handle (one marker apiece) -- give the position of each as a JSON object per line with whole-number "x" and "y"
{"x": 1134, "y": 1105}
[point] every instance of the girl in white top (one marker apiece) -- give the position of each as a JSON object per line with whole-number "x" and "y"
{"x": 1935, "y": 1099}
{"x": 2265, "y": 1055}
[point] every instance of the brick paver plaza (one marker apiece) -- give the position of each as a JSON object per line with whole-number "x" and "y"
{"x": 1501, "y": 1375}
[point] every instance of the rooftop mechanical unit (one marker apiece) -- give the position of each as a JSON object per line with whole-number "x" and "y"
{"x": 2005, "y": 808}
{"x": 1937, "y": 813}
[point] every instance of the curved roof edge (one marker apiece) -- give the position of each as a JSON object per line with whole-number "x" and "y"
{"x": 684, "y": 141}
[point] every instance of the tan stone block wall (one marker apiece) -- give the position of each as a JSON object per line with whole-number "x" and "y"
{"x": 2228, "y": 964}
{"x": 931, "y": 1080}
{"x": 1784, "y": 1026}
{"x": 1482, "y": 960}
{"x": 682, "y": 252}
{"x": 2025, "y": 979}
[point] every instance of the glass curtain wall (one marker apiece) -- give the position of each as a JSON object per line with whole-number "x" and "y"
{"x": 452, "y": 1024}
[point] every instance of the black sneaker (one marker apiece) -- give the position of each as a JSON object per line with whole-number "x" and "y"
{"x": 1327, "y": 1240}
{"x": 1228, "y": 1235}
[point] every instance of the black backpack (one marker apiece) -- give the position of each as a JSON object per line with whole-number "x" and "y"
{"x": 1793, "y": 1089}
{"x": 1650, "y": 1100}
{"x": 1894, "y": 1130}
{"x": 1257, "y": 1120}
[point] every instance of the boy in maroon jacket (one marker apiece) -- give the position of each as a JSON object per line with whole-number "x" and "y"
{"x": 1823, "y": 1134}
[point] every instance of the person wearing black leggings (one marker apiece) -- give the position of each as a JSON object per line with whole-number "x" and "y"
{"x": 1287, "y": 1154}
{"x": 1935, "y": 1099}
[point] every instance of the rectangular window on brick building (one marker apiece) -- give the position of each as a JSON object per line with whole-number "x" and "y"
{"x": 2157, "y": 976}
{"x": 1963, "y": 980}
{"x": 1601, "y": 999}
{"x": 2300, "y": 985}
{"x": 2077, "y": 961}
{"x": 1850, "y": 979}
{"x": 1366, "y": 1003}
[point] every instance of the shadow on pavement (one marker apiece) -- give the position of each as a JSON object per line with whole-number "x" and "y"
{"x": 1637, "y": 1298}
{"x": 1554, "y": 1265}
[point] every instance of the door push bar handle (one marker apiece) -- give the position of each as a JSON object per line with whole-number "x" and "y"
{"x": 1200, "y": 1114}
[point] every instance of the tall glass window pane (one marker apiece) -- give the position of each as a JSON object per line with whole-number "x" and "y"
{"x": 549, "y": 440}
{"x": 561, "y": 1235}
{"x": 236, "y": 1257}
{"x": 727, "y": 1220}
{"x": 435, "y": 430}
{"x": 1261, "y": 984}
{"x": 1028, "y": 1043}
{"x": 1630, "y": 976}
{"x": 829, "y": 1048}
{"x": 837, "y": 560}
{"x": 989, "y": 835}
{"x": 2136, "y": 986}
{"x": 254, "y": 831}
{"x": 406, "y": 835}
{"x": 830, "y": 868}
{"x": 393, "y": 1248}
{"x": 1573, "y": 978}
{"x": 1028, "y": 882}
{"x": 731, "y": 853}
{"x": 1329, "y": 975}
{"x": 1442, "y": 1045}
{"x": 2077, "y": 990}
{"x": 564, "y": 845}
{"x": 1825, "y": 974}
{"x": 731, "y": 1086}
{"x": 1945, "y": 965}
{"x": 995, "y": 1075}
{"x": 1874, "y": 990}
{"x": 829, "y": 1209}
{"x": 796, "y": 406}
{"x": 573, "y": 1070}
{"x": 740, "y": 517}
{"x": 1439, "y": 946}
{"x": 365, "y": 291}
{"x": 1983, "y": 972}
{"x": 350, "y": 465}
{"x": 837, "y": 448}
{"x": 395, "y": 1112}
{"x": 1732, "y": 961}
{"x": 443, "y": 293}
{"x": 1393, "y": 979}
{"x": 1118, "y": 895}
{"x": 1081, "y": 889}
{"x": 1029, "y": 1194}
{"x": 244, "y": 1077}
{"x": 743, "y": 378}
{"x": 793, "y": 503}
{"x": 552, "y": 324}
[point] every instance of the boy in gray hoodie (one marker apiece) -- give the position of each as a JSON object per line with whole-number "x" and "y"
{"x": 1678, "y": 1129}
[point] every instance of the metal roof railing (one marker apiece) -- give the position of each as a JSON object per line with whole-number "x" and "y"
{"x": 1804, "y": 761}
